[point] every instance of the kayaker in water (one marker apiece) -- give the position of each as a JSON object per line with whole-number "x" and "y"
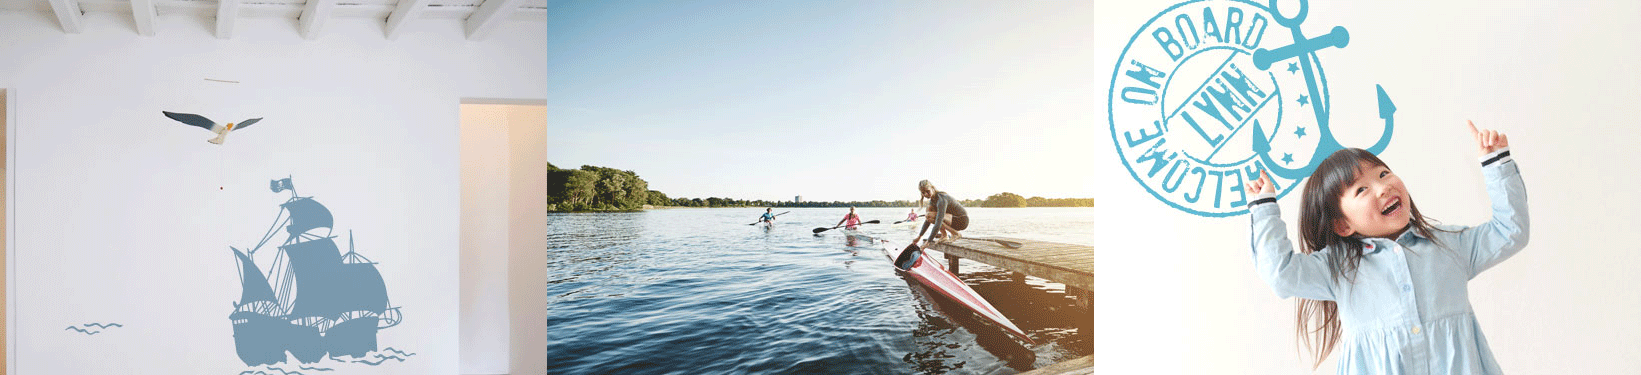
{"x": 912, "y": 216}
{"x": 769, "y": 216}
{"x": 945, "y": 214}
{"x": 851, "y": 219}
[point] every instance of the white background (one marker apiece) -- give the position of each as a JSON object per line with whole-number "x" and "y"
{"x": 1178, "y": 293}
{"x": 123, "y": 215}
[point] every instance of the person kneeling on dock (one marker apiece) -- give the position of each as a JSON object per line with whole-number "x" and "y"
{"x": 944, "y": 213}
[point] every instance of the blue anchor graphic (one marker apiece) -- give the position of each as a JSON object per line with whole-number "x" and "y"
{"x": 1302, "y": 48}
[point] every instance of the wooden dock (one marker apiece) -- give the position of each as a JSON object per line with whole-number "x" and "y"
{"x": 1072, "y": 265}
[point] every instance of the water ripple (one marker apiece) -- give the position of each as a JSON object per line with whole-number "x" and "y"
{"x": 695, "y": 291}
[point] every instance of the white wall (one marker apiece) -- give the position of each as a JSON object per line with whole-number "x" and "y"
{"x": 130, "y": 214}
{"x": 1178, "y": 293}
{"x": 527, "y": 239}
{"x": 485, "y": 336}
{"x": 5, "y": 291}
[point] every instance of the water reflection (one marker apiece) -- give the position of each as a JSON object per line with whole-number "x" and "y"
{"x": 697, "y": 291}
{"x": 937, "y": 335}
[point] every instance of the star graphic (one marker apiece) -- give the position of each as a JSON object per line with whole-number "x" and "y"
{"x": 1287, "y": 158}
{"x": 1303, "y": 100}
{"x": 1293, "y": 67}
{"x": 1300, "y": 132}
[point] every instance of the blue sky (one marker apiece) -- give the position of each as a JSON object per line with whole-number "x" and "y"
{"x": 831, "y": 100}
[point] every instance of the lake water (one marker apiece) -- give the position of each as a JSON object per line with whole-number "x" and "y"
{"x": 698, "y": 291}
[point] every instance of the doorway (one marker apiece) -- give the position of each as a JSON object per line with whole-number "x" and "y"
{"x": 503, "y": 241}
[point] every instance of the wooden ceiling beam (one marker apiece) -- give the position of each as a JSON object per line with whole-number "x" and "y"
{"x": 68, "y": 14}
{"x": 314, "y": 15}
{"x": 489, "y": 15}
{"x": 402, "y": 14}
{"x": 142, "y": 14}
{"x": 227, "y": 14}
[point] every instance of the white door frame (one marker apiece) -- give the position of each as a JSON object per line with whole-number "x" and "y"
{"x": 8, "y": 98}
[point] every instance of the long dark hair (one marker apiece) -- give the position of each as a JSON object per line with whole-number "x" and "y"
{"x": 1318, "y": 321}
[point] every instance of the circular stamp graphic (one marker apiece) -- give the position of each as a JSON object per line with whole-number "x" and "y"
{"x": 1193, "y": 89}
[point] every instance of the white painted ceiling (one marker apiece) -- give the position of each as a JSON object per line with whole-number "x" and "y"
{"x": 480, "y": 16}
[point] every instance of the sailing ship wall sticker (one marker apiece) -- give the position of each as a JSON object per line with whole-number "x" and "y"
{"x": 315, "y": 302}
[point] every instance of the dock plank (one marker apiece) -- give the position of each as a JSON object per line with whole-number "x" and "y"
{"x": 1069, "y": 264}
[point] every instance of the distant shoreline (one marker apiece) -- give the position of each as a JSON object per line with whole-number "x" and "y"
{"x": 601, "y": 189}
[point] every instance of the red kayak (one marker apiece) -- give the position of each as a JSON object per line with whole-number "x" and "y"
{"x": 929, "y": 272}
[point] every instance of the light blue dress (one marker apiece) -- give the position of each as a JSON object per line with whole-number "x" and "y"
{"x": 1408, "y": 311}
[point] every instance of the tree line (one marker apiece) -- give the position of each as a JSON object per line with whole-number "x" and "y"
{"x": 594, "y": 188}
{"x": 1015, "y": 200}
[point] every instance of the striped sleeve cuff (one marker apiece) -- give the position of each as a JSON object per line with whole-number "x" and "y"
{"x": 1496, "y": 157}
{"x": 1262, "y": 198}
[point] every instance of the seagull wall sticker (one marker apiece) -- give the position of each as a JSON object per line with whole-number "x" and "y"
{"x": 205, "y": 123}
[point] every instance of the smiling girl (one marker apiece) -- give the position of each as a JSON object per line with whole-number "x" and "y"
{"x": 1376, "y": 275}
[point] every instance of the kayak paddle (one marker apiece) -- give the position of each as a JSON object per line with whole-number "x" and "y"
{"x": 760, "y": 221}
{"x": 818, "y": 230}
{"x": 902, "y": 221}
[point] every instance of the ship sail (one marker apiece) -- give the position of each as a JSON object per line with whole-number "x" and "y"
{"x": 255, "y": 286}
{"x": 360, "y": 288}
{"x": 315, "y": 302}
{"x": 317, "y": 267}
{"x": 306, "y": 214}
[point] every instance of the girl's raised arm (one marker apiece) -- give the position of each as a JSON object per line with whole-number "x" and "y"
{"x": 1504, "y": 235}
{"x": 1291, "y": 274}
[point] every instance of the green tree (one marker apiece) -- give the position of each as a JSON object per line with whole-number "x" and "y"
{"x": 638, "y": 192}
{"x": 580, "y": 189}
{"x": 1060, "y": 202}
{"x": 614, "y": 189}
{"x": 659, "y": 199}
{"x": 611, "y": 188}
{"x": 1004, "y": 199}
